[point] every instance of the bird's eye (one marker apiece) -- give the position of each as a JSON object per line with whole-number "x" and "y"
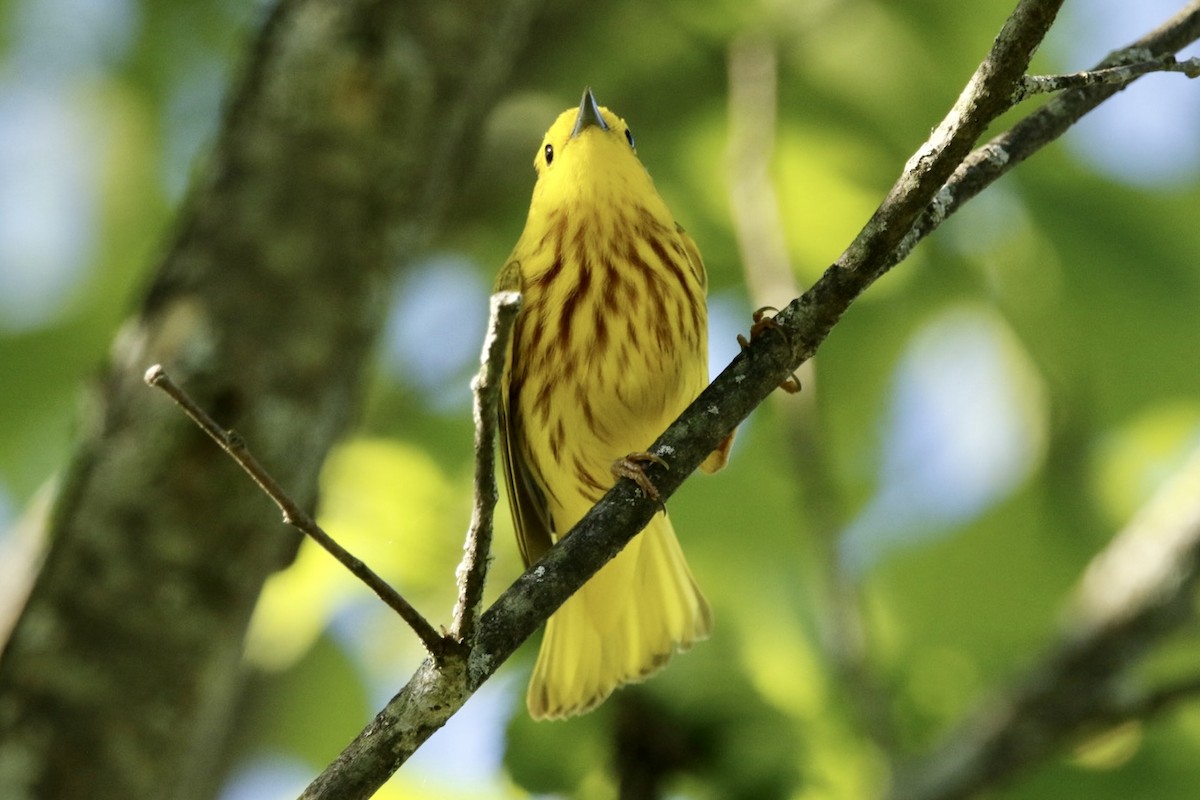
{"x": 549, "y": 154}
{"x": 629, "y": 138}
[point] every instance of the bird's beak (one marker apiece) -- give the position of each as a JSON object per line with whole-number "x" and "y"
{"x": 589, "y": 114}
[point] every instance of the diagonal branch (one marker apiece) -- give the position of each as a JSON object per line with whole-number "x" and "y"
{"x": 1004, "y": 152}
{"x": 1132, "y": 593}
{"x": 235, "y": 446}
{"x": 986, "y": 96}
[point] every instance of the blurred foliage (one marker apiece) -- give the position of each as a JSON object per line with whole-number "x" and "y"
{"x": 1072, "y": 289}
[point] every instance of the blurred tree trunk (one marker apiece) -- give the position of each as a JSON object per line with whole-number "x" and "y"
{"x": 341, "y": 147}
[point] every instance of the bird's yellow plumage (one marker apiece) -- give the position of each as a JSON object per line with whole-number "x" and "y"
{"x": 610, "y": 346}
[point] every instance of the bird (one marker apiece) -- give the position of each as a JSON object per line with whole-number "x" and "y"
{"x": 609, "y": 347}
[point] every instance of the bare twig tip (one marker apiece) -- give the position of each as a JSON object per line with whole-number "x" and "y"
{"x": 507, "y": 299}
{"x": 155, "y": 375}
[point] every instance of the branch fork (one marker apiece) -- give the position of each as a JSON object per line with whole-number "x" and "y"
{"x": 472, "y": 572}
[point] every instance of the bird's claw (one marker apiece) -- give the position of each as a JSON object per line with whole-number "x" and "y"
{"x": 762, "y": 322}
{"x": 633, "y": 467}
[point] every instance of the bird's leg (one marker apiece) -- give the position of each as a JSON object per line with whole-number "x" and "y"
{"x": 764, "y": 323}
{"x": 633, "y": 467}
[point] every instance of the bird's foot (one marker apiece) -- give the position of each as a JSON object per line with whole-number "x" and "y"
{"x": 761, "y": 323}
{"x": 633, "y": 466}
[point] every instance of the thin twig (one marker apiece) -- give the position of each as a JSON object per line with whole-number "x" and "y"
{"x": 486, "y": 385}
{"x": 233, "y": 444}
{"x": 1162, "y": 698}
{"x": 1114, "y": 76}
{"x": 984, "y": 98}
{"x": 1008, "y": 149}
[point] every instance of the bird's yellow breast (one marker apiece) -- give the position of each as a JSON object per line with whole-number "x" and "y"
{"x": 612, "y": 339}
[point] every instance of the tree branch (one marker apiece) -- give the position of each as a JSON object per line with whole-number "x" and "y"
{"x": 1115, "y": 76}
{"x": 1135, "y": 591}
{"x": 1152, "y": 702}
{"x": 235, "y": 446}
{"x": 1004, "y": 152}
{"x": 986, "y": 96}
{"x": 472, "y": 572}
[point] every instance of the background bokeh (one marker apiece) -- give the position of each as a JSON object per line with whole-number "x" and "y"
{"x": 988, "y": 414}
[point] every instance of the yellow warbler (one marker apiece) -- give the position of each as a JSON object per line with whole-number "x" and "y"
{"x": 610, "y": 346}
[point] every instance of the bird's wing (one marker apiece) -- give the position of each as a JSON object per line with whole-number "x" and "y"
{"x": 531, "y": 515}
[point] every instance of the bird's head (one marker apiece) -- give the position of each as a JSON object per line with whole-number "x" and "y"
{"x": 589, "y": 155}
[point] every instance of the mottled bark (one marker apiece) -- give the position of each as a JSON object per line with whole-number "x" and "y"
{"x": 339, "y": 150}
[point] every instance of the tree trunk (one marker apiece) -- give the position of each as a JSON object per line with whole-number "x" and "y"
{"x": 349, "y": 131}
